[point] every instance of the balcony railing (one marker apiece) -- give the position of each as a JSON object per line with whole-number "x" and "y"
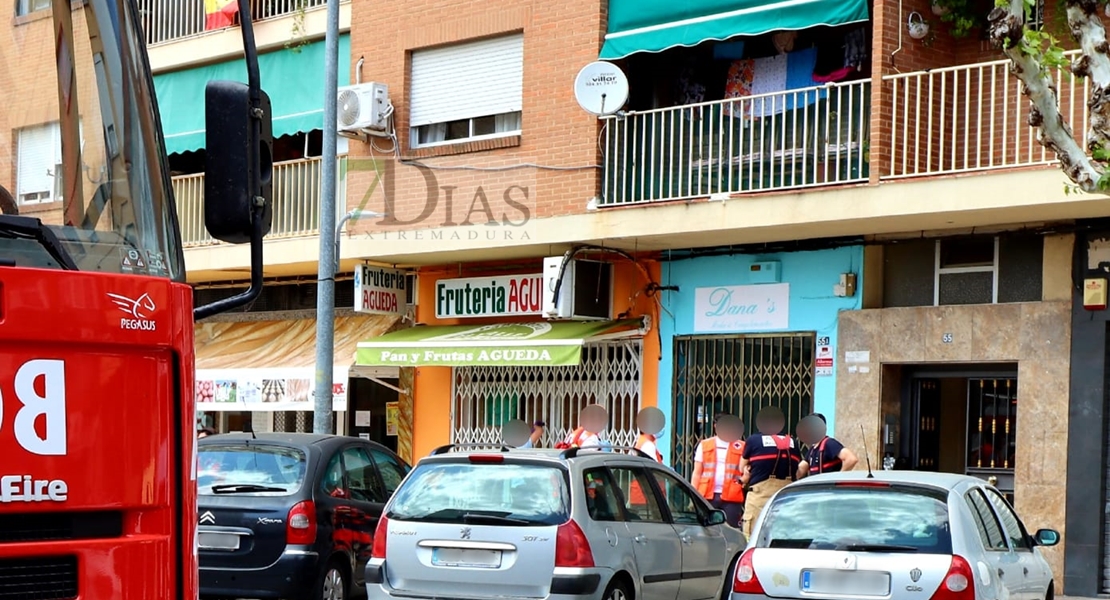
{"x": 296, "y": 201}
{"x": 169, "y": 20}
{"x": 969, "y": 118}
{"x": 801, "y": 138}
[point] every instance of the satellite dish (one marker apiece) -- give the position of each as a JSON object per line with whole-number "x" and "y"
{"x": 601, "y": 88}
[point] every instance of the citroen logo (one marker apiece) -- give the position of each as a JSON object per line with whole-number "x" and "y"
{"x": 208, "y": 517}
{"x": 915, "y": 575}
{"x": 465, "y": 533}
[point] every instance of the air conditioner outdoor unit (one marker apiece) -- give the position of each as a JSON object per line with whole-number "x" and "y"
{"x": 586, "y": 293}
{"x": 363, "y": 106}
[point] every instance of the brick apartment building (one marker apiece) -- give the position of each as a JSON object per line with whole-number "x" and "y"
{"x": 834, "y": 217}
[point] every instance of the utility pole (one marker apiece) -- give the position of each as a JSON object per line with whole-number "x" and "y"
{"x": 328, "y": 265}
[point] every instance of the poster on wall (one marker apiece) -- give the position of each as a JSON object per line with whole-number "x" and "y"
{"x": 392, "y": 416}
{"x": 823, "y": 359}
{"x": 235, "y": 390}
{"x": 742, "y": 308}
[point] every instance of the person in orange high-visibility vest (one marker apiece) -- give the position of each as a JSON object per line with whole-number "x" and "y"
{"x": 716, "y": 473}
{"x": 650, "y": 421}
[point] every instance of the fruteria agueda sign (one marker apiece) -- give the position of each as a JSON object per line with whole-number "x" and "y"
{"x": 379, "y": 291}
{"x": 503, "y": 296}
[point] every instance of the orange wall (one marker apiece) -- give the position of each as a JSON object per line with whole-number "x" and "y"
{"x": 432, "y": 386}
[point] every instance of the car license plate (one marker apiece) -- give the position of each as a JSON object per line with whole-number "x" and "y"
{"x": 218, "y": 541}
{"x": 853, "y": 583}
{"x": 466, "y": 557}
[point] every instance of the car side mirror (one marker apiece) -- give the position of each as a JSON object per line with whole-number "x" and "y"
{"x": 717, "y": 517}
{"x": 229, "y": 165}
{"x": 1047, "y": 537}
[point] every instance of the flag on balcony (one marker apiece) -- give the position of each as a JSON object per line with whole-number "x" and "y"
{"x": 219, "y": 13}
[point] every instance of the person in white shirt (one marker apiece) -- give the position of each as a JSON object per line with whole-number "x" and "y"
{"x": 537, "y": 433}
{"x": 716, "y": 473}
{"x": 592, "y": 421}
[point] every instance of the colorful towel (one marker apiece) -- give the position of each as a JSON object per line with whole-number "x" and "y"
{"x": 739, "y": 84}
{"x": 219, "y": 13}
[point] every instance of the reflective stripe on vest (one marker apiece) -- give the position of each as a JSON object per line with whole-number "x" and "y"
{"x": 822, "y": 465}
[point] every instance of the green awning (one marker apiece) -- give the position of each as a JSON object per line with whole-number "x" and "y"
{"x": 546, "y": 343}
{"x": 656, "y": 25}
{"x": 292, "y": 77}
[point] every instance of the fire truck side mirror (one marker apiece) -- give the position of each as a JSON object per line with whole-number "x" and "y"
{"x": 231, "y": 168}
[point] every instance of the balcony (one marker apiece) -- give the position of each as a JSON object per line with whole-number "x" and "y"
{"x": 968, "y": 118}
{"x": 167, "y": 21}
{"x": 297, "y": 199}
{"x": 808, "y": 137}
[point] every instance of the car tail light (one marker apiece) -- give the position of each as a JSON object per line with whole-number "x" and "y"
{"x": 381, "y": 535}
{"x": 300, "y": 527}
{"x": 745, "y": 580}
{"x": 572, "y": 549}
{"x": 487, "y": 458}
{"x": 959, "y": 583}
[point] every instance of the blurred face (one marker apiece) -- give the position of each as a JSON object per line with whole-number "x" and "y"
{"x": 729, "y": 428}
{"x": 594, "y": 418}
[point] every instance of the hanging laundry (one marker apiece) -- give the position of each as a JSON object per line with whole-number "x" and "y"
{"x": 219, "y": 13}
{"x": 855, "y": 48}
{"x": 690, "y": 90}
{"x": 739, "y": 85}
{"x": 728, "y": 50}
{"x": 835, "y": 76}
{"x": 784, "y": 41}
{"x": 777, "y": 74}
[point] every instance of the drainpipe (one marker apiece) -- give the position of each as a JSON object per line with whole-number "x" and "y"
{"x": 358, "y": 70}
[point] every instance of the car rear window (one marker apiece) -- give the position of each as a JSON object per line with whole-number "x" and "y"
{"x": 495, "y": 494}
{"x": 858, "y": 518}
{"x": 253, "y": 469}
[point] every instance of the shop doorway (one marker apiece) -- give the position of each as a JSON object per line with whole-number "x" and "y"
{"x": 961, "y": 420}
{"x": 369, "y": 404}
{"x": 737, "y": 374}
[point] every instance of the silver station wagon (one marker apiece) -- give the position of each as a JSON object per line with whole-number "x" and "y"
{"x": 581, "y": 523}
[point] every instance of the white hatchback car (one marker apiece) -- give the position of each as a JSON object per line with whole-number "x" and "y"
{"x": 896, "y": 535}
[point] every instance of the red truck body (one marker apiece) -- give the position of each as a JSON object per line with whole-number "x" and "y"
{"x": 97, "y": 492}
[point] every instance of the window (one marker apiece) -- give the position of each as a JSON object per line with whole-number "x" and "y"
{"x": 989, "y": 529}
{"x": 966, "y": 271}
{"x": 391, "y": 471}
{"x": 513, "y": 493}
{"x": 333, "y": 483}
{"x": 39, "y": 175}
{"x": 829, "y": 518}
{"x": 639, "y": 498}
{"x": 601, "y": 496}
{"x": 26, "y": 7}
{"x": 1036, "y": 16}
{"x": 278, "y": 468}
{"x": 361, "y": 477}
{"x": 467, "y": 91}
{"x": 1010, "y": 522}
{"x": 685, "y": 509}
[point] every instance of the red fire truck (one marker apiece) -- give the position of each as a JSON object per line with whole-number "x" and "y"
{"x": 97, "y": 416}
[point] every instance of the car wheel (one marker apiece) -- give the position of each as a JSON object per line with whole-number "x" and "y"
{"x": 333, "y": 583}
{"x": 617, "y": 590}
{"x": 726, "y": 587}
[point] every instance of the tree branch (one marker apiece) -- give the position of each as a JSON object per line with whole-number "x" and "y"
{"x": 1007, "y": 26}
{"x": 1093, "y": 63}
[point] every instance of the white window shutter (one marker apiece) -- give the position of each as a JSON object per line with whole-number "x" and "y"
{"x": 39, "y": 154}
{"x": 463, "y": 81}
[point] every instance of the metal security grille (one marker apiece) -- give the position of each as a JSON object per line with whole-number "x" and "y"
{"x": 609, "y": 374}
{"x": 738, "y": 375}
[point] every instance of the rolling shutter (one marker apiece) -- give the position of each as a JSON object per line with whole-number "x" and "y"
{"x": 40, "y": 151}
{"x": 469, "y": 80}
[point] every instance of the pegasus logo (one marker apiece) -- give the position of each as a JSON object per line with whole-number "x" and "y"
{"x": 208, "y": 518}
{"x": 465, "y": 533}
{"x": 139, "y": 309}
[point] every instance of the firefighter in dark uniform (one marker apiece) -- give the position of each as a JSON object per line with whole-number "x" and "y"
{"x": 826, "y": 454}
{"x": 770, "y": 462}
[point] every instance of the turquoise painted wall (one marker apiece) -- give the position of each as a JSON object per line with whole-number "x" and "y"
{"x": 812, "y": 307}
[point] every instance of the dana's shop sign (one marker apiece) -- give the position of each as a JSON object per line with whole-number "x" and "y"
{"x": 504, "y": 296}
{"x": 379, "y": 291}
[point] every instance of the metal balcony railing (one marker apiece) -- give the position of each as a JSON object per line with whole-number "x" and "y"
{"x": 801, "y": 138}
{"x": 970, "y": 118}
{"x": 297, "y": 199}
{"x": 170, "y": 20}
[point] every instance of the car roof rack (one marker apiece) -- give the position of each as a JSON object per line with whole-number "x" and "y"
{"x": 572, "y": 452}
{"x": 449, "y": 447}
